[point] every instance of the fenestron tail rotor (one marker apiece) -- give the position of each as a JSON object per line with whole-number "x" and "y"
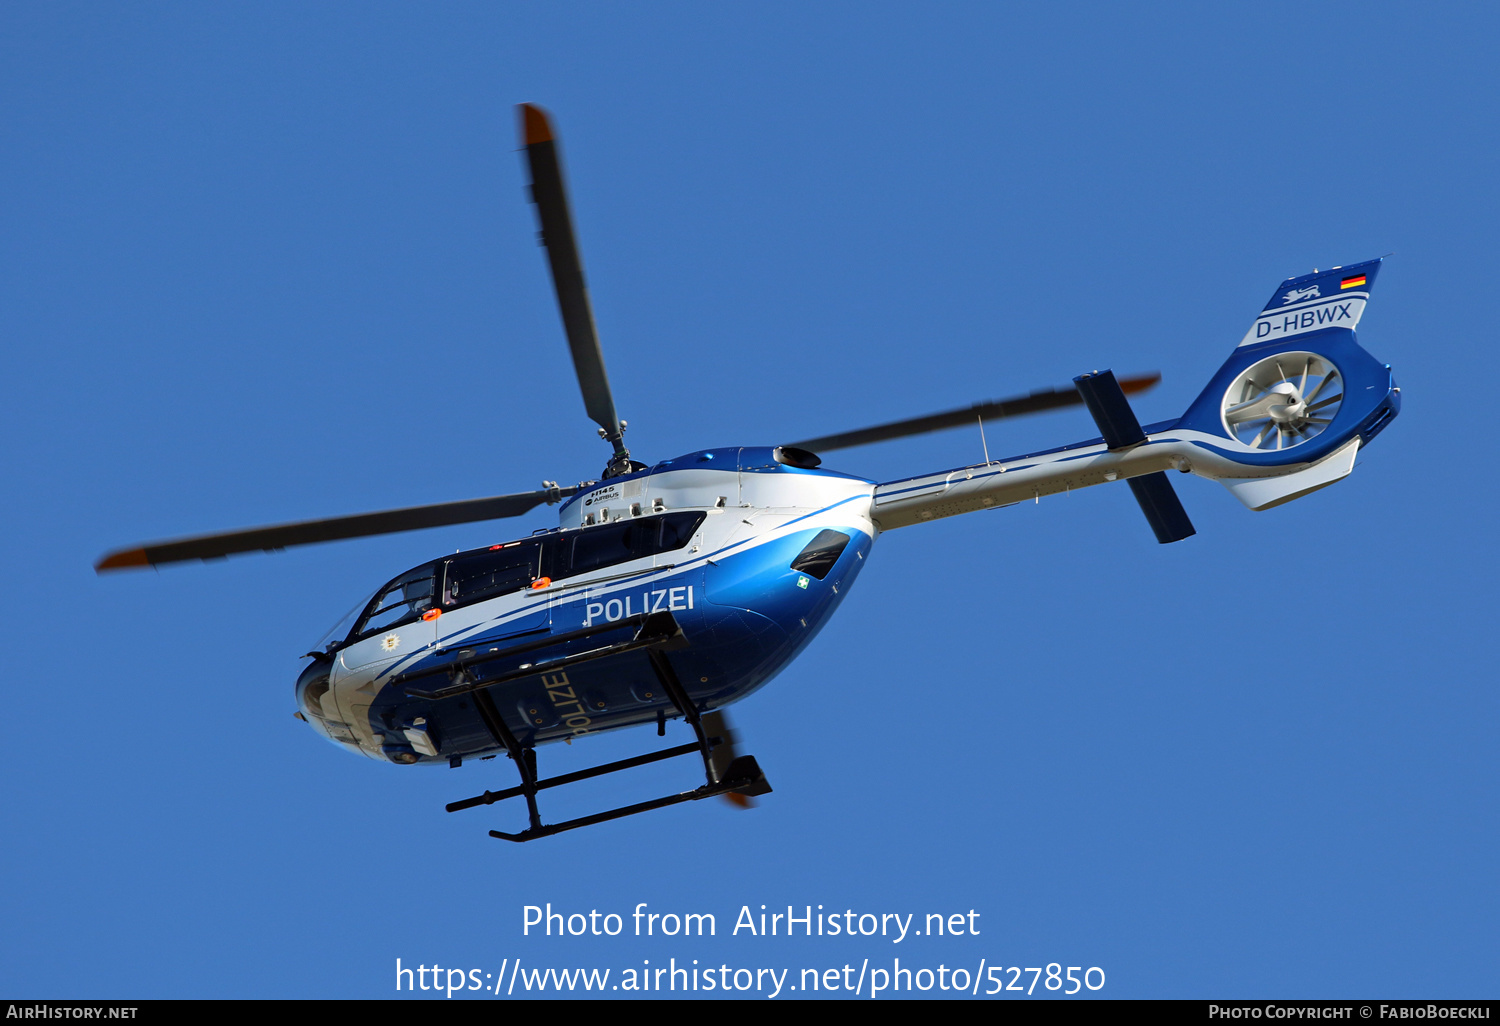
{"x": 551, "y": 199}
{"x": 1282, "y": 401}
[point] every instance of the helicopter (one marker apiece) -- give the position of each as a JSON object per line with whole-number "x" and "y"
{"x": 670, "y": 591}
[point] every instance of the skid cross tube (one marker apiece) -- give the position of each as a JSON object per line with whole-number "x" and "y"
{"x": 524, "y": 758}
{"x": 679, "y": 696}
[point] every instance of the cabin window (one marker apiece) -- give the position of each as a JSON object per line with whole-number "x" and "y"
{"x": 480, "y": 575}
{"x": 578, "y": 552}
{"x": 677, "y": 530}
{"x": 821, "y": 553}
{"x": 403, "y": 600}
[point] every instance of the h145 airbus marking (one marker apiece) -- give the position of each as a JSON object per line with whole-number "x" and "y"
{"x": 673, "y": 590}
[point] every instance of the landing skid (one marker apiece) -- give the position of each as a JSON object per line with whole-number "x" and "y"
{"x": 657, "y": 633}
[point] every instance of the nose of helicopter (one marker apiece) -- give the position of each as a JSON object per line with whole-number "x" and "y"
{"x": 310, "y": 690}
{"x": 316, "y": 707}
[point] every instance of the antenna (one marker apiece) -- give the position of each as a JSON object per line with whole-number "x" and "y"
{"x": 983, "y": 442}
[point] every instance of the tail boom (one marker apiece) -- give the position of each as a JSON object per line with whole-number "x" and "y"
{"x": 1032, "y": 477}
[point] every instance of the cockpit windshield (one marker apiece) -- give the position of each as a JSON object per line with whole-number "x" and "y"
{"x": 404, "y": 599}
{"x": 335, "y": 635}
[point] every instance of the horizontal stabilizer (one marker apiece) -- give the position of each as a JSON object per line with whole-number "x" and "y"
{"x": 1162, "y": 507}
{"x": 1110, "y": 409}
{"x": 1121, "y": 430}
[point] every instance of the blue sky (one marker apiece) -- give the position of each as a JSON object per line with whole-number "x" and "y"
{"x": 269, "y": 262}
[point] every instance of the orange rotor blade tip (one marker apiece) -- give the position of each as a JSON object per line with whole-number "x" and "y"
{"x": 535, "y": 128}
{"x": 1141, "y": 383}
{"x": 122, "y": 561}
{"x": 739, "y": 801}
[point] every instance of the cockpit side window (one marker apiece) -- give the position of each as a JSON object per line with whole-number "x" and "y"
{"x": 403, "y": 600}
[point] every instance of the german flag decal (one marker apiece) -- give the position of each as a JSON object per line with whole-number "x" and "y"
{"x": 1354, "y": 282}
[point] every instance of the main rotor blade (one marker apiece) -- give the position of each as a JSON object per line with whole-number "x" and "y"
{"x": 306, "y": 532}
{"x": 995, "y": 409}
{"x": 551, "y": 199}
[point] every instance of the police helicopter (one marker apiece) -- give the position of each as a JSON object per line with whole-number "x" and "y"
{"x": 670, "y": 591}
